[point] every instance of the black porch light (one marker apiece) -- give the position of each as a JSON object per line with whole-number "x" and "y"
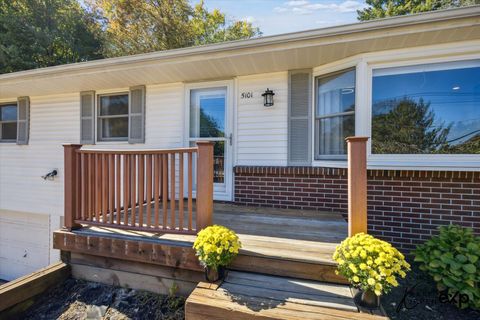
{"x": 268, "y": 98}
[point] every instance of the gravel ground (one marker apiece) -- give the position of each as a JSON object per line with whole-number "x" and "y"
{"x": 77, "y": 299}
{"x": 422, "y": 302}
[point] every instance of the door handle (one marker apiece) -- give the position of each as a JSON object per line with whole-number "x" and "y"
{"x": 230, "y": 138}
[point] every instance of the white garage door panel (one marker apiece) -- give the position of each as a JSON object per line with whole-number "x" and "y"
{"x": 24, "y": 243}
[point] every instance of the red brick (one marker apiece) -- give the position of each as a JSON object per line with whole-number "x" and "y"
{"x": 413, "y": 202}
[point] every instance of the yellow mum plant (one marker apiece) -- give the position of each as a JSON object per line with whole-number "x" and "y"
{"x": 369, "y": 263}
{"x": 216, "y": 246}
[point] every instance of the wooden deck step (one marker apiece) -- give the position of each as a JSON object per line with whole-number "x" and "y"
{"x": 253, "y": 296}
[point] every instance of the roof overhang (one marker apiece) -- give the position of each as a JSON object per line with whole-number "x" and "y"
{"x": 297, "y": 50}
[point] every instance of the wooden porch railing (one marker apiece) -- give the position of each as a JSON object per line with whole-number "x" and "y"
{"x": 357, "y": 185}
{"x": 148, "y": 190}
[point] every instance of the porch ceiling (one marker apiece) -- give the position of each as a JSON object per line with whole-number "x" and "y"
{"x": 268, "y": 54}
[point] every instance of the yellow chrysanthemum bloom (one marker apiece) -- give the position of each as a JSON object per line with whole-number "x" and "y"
{"x": 370, "y": 263}
{"x": 216, "y": 246}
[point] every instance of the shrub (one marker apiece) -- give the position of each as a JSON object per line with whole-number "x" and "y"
{"x": 216, "y": 246}
{"x": 369, "y": 263}
{"x": 452, "y": 258}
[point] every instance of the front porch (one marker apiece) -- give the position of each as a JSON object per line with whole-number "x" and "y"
{"x": 131, "y": 218}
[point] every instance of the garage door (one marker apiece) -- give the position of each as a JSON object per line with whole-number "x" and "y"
{"x": 24, "y": 243}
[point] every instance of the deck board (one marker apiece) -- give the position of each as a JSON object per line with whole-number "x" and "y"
{"x": 274, "y": 241}
{"x": 253, "y": 296}
{"x": 298, "y": 235}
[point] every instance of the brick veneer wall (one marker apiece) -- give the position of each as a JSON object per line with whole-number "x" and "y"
{"x": 404, "y": 207}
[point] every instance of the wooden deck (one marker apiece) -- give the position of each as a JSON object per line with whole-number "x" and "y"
{"x": 284, "y": 270}
{"x": 275, "y": 241}
{"x": 254, "y": 296}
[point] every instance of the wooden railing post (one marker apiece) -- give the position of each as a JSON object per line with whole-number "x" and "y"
{"x": 71, "y": 190}
{"x": 357, "y": 185}
{"x": 204, "y": 184}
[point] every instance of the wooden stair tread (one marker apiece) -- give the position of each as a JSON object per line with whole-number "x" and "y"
{"x": 254, "y": 296}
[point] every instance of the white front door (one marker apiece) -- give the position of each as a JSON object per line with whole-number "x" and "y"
{"x": 209, "y": 118}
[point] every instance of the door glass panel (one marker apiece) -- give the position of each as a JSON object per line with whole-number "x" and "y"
{"x": 207, "y": 122}
{"x": 207, "y": 113}
{"x": 219, "y": 162}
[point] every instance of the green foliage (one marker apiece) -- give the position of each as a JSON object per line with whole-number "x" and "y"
{"x": 137, "y": 26}
{"x": 452, "y": 258}
{"x": 42, "y": 33}
{"x": 388, "y": 8}
{"x": 407, "y": 127}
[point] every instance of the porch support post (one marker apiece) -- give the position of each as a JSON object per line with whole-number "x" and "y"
{"x": 357, "y": 185}
{"x": 71, "y": 190}
{"x": 204, "y": 202}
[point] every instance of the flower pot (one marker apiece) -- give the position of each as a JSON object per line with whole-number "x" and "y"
{"x": 367, "y": 299}
{"x": 214, "y": 274}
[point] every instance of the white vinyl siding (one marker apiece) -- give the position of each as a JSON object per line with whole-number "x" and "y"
{"x": 261, "y": 132}
{"x": 30, "y": 207}
{"x": 53, "y": 121}
{"x": 24, "y": 243}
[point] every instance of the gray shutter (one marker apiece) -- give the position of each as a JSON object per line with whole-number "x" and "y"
{"x": 23, "y": 119}
{"x": 299, "y": 117}
{"x": 87, "y": 117}
{"x": 136, "y": 115}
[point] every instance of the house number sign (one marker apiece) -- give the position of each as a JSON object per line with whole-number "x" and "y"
{"x": 246, "y": 95}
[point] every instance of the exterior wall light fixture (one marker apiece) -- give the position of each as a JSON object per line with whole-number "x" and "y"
{"x": 268, "y": 98}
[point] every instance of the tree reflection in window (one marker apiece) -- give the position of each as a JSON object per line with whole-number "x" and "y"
{"x": 210, "y": 127}
{"x": 426, "y": 110}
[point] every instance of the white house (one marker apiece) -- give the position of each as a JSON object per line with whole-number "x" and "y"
{"x": 327, "y": 83}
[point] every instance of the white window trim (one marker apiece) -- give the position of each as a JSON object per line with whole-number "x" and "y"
{"x": 337, "y": 66}
{"x": 422, "y": 161}
{"x": 365, "y": 64}
{"x": 2, "y": 104}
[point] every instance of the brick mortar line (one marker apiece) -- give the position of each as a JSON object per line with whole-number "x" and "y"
{"x": 317, "y": 171}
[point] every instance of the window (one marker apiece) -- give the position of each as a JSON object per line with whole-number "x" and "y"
{"x": 427, "y": 109}
{"x": 113, "y": 117}
{"x": 8, "y": 122}
{"x": 334, "y": 114}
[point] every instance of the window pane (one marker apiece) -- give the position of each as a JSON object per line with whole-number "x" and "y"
{"x": 114, "y": 105}
{"x": 333, "y": 132}
{"x": 8, "y": 112}
{"x": 427, "y": 109}
{"x": 9, "y": 131}
{"x": 336, "y": 93}
{"x": 115, "y": 127}
{"x": 207, "y": 112}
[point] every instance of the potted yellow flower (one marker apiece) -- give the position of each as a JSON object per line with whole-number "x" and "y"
{"x": 216, "y": 246}
{"x": 371, "y": 265}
